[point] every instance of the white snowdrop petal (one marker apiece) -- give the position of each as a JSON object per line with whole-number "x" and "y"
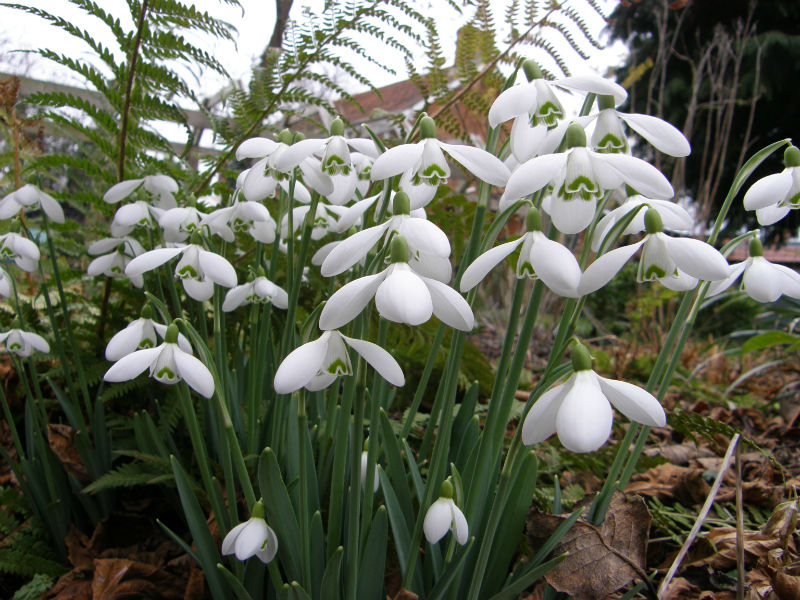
{"x": 533, "y": 175}
{"x": 351, "y": 250}
{"x": 229, "y": 542}
{"x": 720, "y": 285}
{"x": 680, "y": 282}
{"x": 761, "y": 281}
{"x": 437, "y": 520}
{"x": 236, "y": 296}
{"x": 603, "y": 269}
{"x": 513, "y": 102}
{"x": 768, "y": 190}
{"x": 769, "y": 215}
{"x": 540, "y": 422}
{"x": 396, "y": 160}
{"x": 640, "y": 175}
{"x": 198, "y": 290}
{"x": 124, "y": 342}
{"x": 403, "y": 297}
{"x": 320, "y": 381}
{"x": 100, "y": 265}
{"x": 130, "y": 366}
{"x": 555, "y": 265}
{"x": 526, "y": 140}
{"x": 790, "y": 280}
{"x": 487, "y": 261}
{"x": 315, "y": 178}
{"x": 297, "y": 153}
{"x": 301, "y": 193}
{"x": 379, "y": 359}
{"x": 255, "y": 148}
{"x": 459, "y": 524}
{"x": 217, "y": 268}
{"x": 9, "y": 207}
{"x": 584, "y": 419}
{"x": 266, "y": 553}
{"x": 480, "y": 163}
{"x": 194, "y": 373}
{"x": 572, "y": 216}
{"x": 594, "y": 84}
{"x": 256, "y": 185}
{"x": 434, "y": 267}
{"x": 250, "y": 539}
{"x": 320, "y": 255}
{"x": 121, "y": 190}
{"x": 449, "y": 306}
{"x": 697, "y": 258}
{"x": 365, "y": 146}
{"x": 150, "y": 260}
{"x": 423, "y": 235}
{"x": 37, "y": 341}
{"x": 349, "y": 300}
{"x": 300, "y": 365}
{"x": 344, "y": 186}
{"x": 632, "y": 401}
{"x": 661, "y": 135}
{"x": 103, "y": 246}
{"x": 674, "y": 216}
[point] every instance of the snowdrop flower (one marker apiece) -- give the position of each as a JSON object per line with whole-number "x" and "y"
{"x": 364, "y": 465}
{"x": 19, "y": 249}
{"x": 243, "y": 216}
{"x": 761, "y": 280}
{"x": 326, "y": 218}
{"x": 6, "y": 289}
{"x": 443, "y": 516}
{"x": 252, "y": 538}
{"x": 113, "y": 264}
{"x": 315, "y": 365}
{"x": 674, "y": 217}
{"x": 535, "y": 107}
{"x": 29, "y": 196}
{"x": 133, "y": 215}
{"x": 264, "y": 176}
{"x": 421, "y": 235}
{"x": 578, "y": 178}
{"x": 198, "y": 269}
{"x": 425, "y": 168}
{"x": 579, "y": 410}
{"x": 140, "y": 334}
{"x": 775, "y": 195}
{"x": 401, "y": 295}
{"x": 168, "y": 363}
{"x": 540, "y": 258}
{"x": 337, "y": 161}
{"x": 609, "y": 135}
{"x": 23, "y": 343}
{"x": 258, "y": 291}
{"x": 675, "y": 262}
{"x": 163, "y": 187}
{"x": 179, "y": 223}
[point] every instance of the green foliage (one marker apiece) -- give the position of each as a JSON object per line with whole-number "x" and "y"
{"x": 25, "y": 549}
{"x": 35, "y": 588}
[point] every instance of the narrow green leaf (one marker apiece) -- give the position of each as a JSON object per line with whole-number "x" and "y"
{"x": 331, "y": 579}
{"x": 396, "y": 471}
{"x": 373, "y": 563}
{"x": 519, "y": 585}
{"x": 769, "y": 339}
{"x": 234, "y": 583}
{"x": 317, "y": 553}
{"x": 416, "y": 478}
{"x": 451, "y": 572}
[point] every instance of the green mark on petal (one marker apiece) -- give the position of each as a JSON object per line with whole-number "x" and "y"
{"x": 338, "y": 367}
{"x": 610, "y": 144}
{"x": 166, "y": 373}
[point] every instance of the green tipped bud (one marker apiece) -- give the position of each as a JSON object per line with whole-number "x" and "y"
{"x": 257, "y": 511}
{"x": 261, "y": 272}
{"x": 605, "y": 101}
{"x": 401, "y": 205}
{"x": 533, "y": 220}
{"x": 196, "y": 239}
{"x": 337, "y": 126}
{"x": 398, "y": 251}
{"x": 581, "y": 359}
{"x": 791, "y": 158}
{"x": 446, "y": 491}
{"x": 576, "y": 136}
{"x": 171, "y": 335}
{"x": 756, "y": 249}
{"x": 298, "y": 137}
{"x": 532, "y": 70}
{"x": 427, "y": 128}
{"x": 652, "y": 221}
{"x": 147, "y": 311}
{"x": 285, "y": 137}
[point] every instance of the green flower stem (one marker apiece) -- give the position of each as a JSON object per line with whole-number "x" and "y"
{"x": 302, "y": 430}
{"x": 252, "y": 376}
{"x": 408, "y": 422}
{"x": 352, "y": 554}
{"x": 12, "y": 425}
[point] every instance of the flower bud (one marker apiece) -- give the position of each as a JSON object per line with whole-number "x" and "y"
{"x": 791, "y": 157}
{"x": 398, "y": 251}
{"x": 401, "y": 205}
{"x": 652, "y": 221}
{"x": 581, "y": 359}
{"x": 337, "y": 126}
{"x": 171, "y": 335}
{"x": 446, "y": 490}
{"x": 756, "y": 249}
{"x": 533, "y": 220}
{"x": 576, "y": 136}
{"x": 605, "y": 101}
{"x": 427, "y": 128}
{"x": 532, "y": 70}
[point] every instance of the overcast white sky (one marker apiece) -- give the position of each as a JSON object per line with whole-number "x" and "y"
{"x": 254, "y": 21}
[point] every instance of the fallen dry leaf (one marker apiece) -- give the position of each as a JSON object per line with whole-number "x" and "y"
{"x": 61, "y": 439}
{"x": 669, "y": 482}
{"x": 601, "y": 559}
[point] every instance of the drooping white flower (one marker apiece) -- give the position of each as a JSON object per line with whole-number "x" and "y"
{"x": 422, "y": 236}
{"x": 6, "y": 285}
{"x": 762, "y": 280}
{"x": 243, "y": 216}
{"x": 540, "y": 258}
{"x": 579, "y": 410}
{"x": 167, "y": 363}
{"x": 326, "y": 218}
{"x": 315, "y": 365}
{"x": 140, "y": 334}
{"x": 443, "y": 516}
{"x": 23, "y": 343}
{"x": 252, "y": 538}
{"x": 21, "y": 250}
{"x": 401, "y": 296}
{"x": 258, "y": 291}
{"x": 773, "y": 196}
{"x": 425, "y": 168}
{"x": 162, "y": 187}
{"x": 198, "y": 269}
{"x": 677, "y": 263}
{"x": 122, "y": 249}
{"x": 179, "y": 223}
{"x": 133, "y": 215}
{"x": 578, "y": 178}
{"x": 29, "y": 196}
{"x": 674, "y": 217}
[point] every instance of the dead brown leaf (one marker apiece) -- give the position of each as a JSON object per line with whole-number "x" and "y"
{"x": 61, "y": 439}
{"x": 601, "y": 559}
{"x": 669, "y": 482}
{"x": 680, "y": 589}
